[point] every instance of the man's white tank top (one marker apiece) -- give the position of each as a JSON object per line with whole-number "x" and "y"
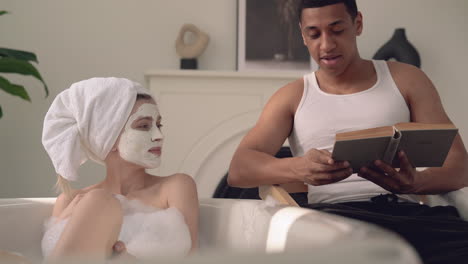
{"x": 320, "y": 116}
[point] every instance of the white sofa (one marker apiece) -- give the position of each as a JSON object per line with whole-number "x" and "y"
{"x": 233, "y": 231}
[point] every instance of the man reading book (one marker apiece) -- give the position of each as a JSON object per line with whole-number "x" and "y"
{"x": 349, "y": 93}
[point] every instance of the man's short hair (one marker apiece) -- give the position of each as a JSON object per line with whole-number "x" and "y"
{"x": 351, "y": 6}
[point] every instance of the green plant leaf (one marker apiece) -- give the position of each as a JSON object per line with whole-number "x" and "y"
{"x": 3, "y": 12}
{"x": 12, "y": 65}
{"x": 18, "y": 54}
{"x": 14, "y": 89}
{"x": 1, "y": 112}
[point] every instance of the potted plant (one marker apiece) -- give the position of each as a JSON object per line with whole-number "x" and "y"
{"x": 18, "y": 62}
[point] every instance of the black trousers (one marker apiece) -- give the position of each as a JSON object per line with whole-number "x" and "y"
{"x": 437, "y": 233}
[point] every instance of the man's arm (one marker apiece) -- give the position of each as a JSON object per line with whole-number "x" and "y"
{"x": 254, "y": 164}
{"x": 425, "y": 107}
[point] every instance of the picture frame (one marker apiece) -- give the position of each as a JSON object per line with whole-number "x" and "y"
{"x": 269, "y": 37}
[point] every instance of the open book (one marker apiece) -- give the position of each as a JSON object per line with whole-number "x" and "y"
{"x": 426, "y": 145}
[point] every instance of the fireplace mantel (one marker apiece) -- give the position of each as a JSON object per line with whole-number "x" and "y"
{"x": 205, "y": 115}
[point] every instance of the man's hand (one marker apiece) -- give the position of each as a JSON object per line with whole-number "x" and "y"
{"x": 317, "y": 167}
{"x": 402, "y": 181}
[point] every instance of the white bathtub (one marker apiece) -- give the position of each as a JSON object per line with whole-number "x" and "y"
{"x": 236, "y": 231}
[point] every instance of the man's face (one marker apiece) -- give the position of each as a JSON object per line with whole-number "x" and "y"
{"x": 330, "y": 36}
{"x": 141, "y": 139}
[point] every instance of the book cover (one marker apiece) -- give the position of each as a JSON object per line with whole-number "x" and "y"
{"x": 426, "y": 145}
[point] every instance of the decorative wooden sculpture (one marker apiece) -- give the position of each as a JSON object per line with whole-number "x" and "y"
{"x": 190, "y": 52}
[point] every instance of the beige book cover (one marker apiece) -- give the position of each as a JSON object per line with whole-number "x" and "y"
{"x": 426, "y": 145}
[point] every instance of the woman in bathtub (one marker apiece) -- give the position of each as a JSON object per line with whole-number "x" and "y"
{"x": 115, "y": 122}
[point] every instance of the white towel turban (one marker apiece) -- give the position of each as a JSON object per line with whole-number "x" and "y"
{"x": 85, "y": 121}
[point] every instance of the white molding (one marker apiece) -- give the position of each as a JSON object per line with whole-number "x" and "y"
{"x": 204, "y": 148}
{"x": 209, "y": 160}
{"x": 211, "y": 142}
{"x": 222, "y": 74}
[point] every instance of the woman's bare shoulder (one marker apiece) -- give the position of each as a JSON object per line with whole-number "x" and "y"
{"x": 62, "y": 201}
{"x": 176, "y": 178}
{"x": 165, "y": 187}
{"x": 181, "y": 192}
{"x": 179, "y": 179}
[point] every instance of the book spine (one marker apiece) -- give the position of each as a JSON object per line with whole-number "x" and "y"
{"x": 392, "y": 147}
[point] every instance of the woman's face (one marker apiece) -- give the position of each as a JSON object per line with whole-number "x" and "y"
{"x": 141, "y": 139}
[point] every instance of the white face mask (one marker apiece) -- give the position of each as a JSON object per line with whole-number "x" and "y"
{"x": 142, "y": 145}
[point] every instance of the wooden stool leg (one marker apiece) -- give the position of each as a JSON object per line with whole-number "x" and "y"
{"x": 278, "y": 193}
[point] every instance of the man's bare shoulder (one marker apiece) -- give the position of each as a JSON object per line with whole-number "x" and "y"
{"x": 292, "y": 88}
{"x": 411, "y": 80}
{"x": 419, "y": 92}
{"x": 405, "y": 72}
{"x": 290, "y": 94}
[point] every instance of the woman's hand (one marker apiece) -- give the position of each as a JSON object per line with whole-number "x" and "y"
{"x": 120, "y": 254}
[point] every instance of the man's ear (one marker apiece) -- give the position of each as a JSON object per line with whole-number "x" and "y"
{"x": 358, "y": 23}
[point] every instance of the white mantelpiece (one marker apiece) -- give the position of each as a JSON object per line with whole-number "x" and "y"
{"x": 205, "y": 115}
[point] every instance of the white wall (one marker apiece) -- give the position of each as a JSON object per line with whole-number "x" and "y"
{"x": 75, "y": 40}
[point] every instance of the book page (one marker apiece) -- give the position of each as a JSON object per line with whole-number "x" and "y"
{"x": 385, "y": 131}
{"x": 423, "y": 126}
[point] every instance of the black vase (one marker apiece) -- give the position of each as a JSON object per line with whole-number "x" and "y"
{"x": 400, "y": 49}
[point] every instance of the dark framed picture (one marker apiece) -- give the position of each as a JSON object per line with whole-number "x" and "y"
{"x": 269, "y": 37}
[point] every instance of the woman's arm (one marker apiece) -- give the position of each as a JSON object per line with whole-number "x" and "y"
{"x": 182, "y": 194}
{"x": 64, "y": 204}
